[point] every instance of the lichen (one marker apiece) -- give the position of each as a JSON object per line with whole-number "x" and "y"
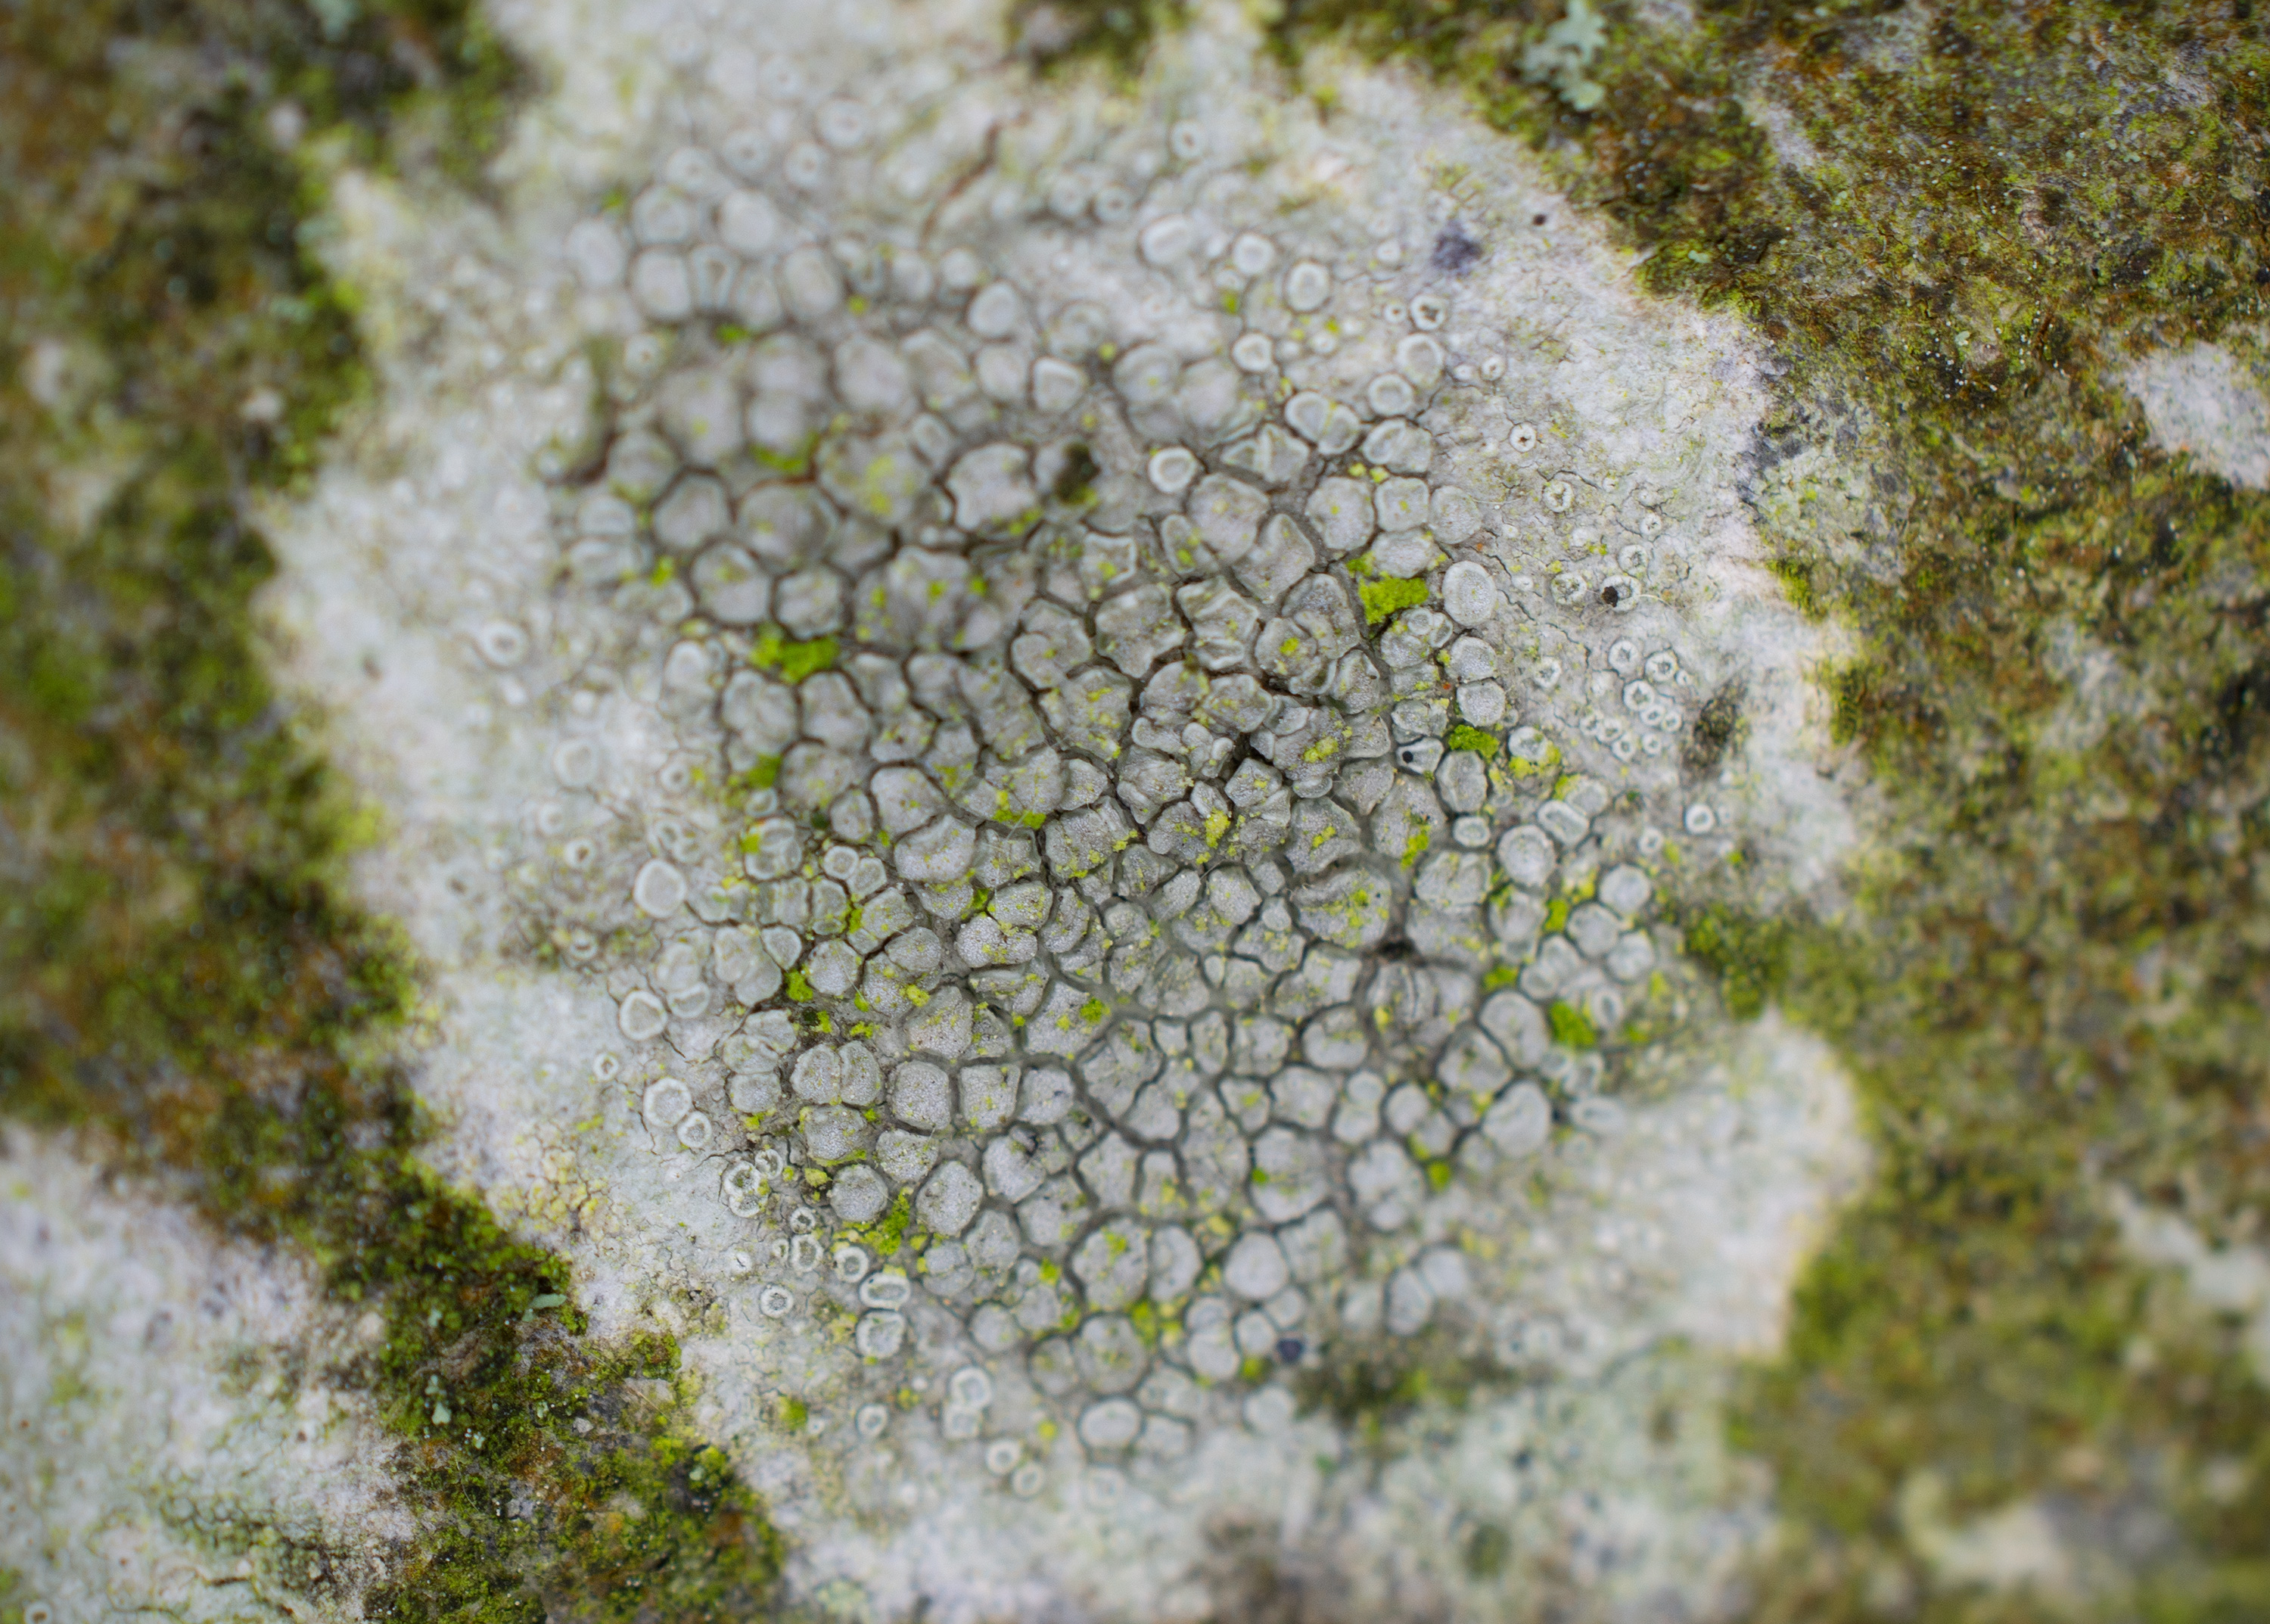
{"x": 794, "y": 660}
{"x": 1465, "y": 736}
{"x": 2050, "y": 974}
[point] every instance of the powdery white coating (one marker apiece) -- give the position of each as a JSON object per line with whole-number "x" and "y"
{"x": 163, "y": 1406}
{"x": 2202, "y": 399}
{"x": 1099, "y": 1109}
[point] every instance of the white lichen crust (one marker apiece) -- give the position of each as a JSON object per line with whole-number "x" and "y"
{"x": 1035, "y": 734}
{"x": 2203, "y": 399}
{"x": 177, "y": 1435}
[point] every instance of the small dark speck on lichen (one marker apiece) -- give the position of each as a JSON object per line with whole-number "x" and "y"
{"x": 1075, "y": 485}
{"x": 1455, "y": 252}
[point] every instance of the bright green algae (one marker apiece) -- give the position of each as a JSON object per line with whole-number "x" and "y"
{"x": 181, "y": 976}
{"x": 1962, "y": 229}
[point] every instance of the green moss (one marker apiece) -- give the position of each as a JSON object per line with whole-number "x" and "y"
{"x": 1389, "y": 595}
{"x": 1853, "y": 694}
{"x": 179, "y": 961}
{"x": 1117, "y": 34}
{"x": 1796, "y": 578}
{"x": 1572, "y": 1028}
{"x": 634, "y": 1516}
{"x": 1465, "y": 738}
{"x": 792, "y": 661}
{"x": 1748, "y": 954}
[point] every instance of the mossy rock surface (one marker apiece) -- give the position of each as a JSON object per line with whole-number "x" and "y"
{"x": 1961, "y": 231}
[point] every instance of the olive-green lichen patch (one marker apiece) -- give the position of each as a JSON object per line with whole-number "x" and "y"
{"x": 1959, "y": 225}
{"x": 177, "y": 961}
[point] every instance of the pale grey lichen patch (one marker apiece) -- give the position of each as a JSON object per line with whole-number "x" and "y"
{"x": 1790, "y": 143}
{"x": 2232, "y": 1280}
{"x": 177, "y": 1435}
{"x": 2202, "y": 399}
{"x": 2103, "y": 692}
{"x": 2016, "y": 1548}
{"x": 1033, "y": 757}
{"x": 1695, "y": 1203}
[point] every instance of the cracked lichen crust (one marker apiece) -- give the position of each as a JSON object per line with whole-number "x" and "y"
{"x": 1182, "y": 758}
{"x": 1036, "y": 735}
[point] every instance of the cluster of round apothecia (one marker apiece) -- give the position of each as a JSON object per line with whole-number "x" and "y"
{"x": 1135, "y": 894}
